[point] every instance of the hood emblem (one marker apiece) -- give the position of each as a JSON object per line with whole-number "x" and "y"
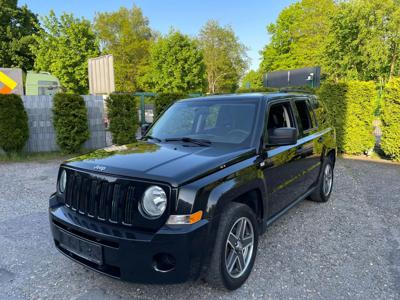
{"x": 99, "y": 168}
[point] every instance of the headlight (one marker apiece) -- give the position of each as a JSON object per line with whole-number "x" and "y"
{"x": 154, "y": 202}
{"x": 62, "y": 183}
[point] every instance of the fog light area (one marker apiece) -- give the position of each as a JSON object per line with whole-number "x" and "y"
{"x": 163, "y": 262}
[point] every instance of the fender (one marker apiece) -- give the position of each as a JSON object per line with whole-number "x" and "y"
{"x": 212, "y": 193}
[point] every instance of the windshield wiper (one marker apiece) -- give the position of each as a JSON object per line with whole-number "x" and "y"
{"x": 200, "y": 142}
{"x": 152, "y": 138}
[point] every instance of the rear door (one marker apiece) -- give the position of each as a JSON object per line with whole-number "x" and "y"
{"x": 309, "y": 143}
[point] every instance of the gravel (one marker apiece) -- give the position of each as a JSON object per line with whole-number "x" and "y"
{"x": 346, "y": 248}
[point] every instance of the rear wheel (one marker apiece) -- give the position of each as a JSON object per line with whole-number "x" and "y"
{"x": 325, "y": 183}
{"x": 235, "y": 247}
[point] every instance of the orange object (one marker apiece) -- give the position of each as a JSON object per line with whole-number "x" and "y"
{"x": 5, "y": 90}
{"x": 195, "y": 217}
{"x": 9, "y": 84}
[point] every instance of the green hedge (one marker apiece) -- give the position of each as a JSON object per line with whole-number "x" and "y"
{"x": 122, "y": 112}
{"x": 351, "y": 110}
{"x": 163, "y": 100}
{"x": 390, "y": 114}
{"x": 255, "y": 90}
{"x": 14, "y": 130}
{"x": 70, "y": 122}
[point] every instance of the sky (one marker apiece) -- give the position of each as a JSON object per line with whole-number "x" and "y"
{"x": 247, "y": 18}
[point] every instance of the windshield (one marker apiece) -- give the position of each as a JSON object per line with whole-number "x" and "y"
{"x": 214, "y": 121}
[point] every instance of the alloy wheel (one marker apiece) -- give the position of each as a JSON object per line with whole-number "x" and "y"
{"x": 239, "y": 247}
{"x": 327, "y": 180}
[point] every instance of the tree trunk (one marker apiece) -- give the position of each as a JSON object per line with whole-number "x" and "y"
{"x": 393, "y": 63}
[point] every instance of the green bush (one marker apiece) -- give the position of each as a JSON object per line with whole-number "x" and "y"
{"x": 390, "y": 115}
{"x": 351, "y": 110}
{"x": 70, "y": 122}
{"x": 243, "y": 90}
{"x": 122, "y": 112}
{"x": 14, "y": 130}
{"x": 163, "y": 100}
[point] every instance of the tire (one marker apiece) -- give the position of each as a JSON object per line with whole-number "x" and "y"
{"x": 325, "y": 183}
{"x": 218, "y": 275}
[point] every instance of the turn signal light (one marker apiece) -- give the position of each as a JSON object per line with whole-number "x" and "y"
{"x": 185, "y": 219}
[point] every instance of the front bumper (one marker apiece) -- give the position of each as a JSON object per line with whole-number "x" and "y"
{"x": 131, "y": 255}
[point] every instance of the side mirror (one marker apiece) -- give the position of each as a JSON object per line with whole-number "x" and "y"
{"x": 144, "y": 128}
{"x": 282, "y": 136}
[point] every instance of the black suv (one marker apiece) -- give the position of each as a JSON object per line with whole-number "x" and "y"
{"x": 191, "y": 198}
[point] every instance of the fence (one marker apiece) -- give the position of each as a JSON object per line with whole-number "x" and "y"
{"x": 42, "y": 136}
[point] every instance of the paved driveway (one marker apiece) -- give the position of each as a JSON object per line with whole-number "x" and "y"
{"x": 348, "y": 248}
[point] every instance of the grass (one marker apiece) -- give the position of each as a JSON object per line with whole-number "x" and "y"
{"x": 36, "y": 157}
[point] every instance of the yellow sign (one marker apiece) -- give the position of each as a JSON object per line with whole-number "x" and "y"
{"x": 8, "y": 83}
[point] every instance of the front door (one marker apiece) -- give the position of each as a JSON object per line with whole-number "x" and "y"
{"x": 286, "y": 167}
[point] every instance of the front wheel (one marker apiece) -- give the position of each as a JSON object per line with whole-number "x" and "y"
{"x": 325, "y": 183}
{"x": 235, "y": 247}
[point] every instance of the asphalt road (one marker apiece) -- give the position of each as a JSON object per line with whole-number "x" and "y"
{"x": 348, "y": 248}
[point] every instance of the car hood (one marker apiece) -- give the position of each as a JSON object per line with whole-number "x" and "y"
{"x": 174, "y": 163}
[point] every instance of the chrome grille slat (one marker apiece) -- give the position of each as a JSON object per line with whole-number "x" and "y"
{"x": 92, "y": 199}
{"x": 115, "y": 203}
{"x": 76, "y": 192}
{"x": 84, "y": 193}
{"x": 101, "y": 210}
{"x": 129, "y": 204}
{"x": 68, "y": 192}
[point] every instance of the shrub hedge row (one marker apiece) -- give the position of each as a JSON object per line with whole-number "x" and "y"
{"x": 70, "y": 122}
{"x": 351, "y": 106}
{"x": 14, "y": 130}
{"x": 390, "y": 114}
{"x": 163, "y": 100}
{"x": 122, "y": 112}
{"x": 255, "y": 90}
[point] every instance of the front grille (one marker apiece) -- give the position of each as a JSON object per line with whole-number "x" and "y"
{"x": 103, "y": 198}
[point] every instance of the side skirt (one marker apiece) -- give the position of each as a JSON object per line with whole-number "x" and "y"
{"x": 287, "y": 208}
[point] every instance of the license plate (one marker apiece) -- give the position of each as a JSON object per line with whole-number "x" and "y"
{"x": 83, "y": 248}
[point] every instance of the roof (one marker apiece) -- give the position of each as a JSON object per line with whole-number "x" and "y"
{"x": 248, "y": 96}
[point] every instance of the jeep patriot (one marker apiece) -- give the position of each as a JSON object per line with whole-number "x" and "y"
{"x": 192, "y": 197}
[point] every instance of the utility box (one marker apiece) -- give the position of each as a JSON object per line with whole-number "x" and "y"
{"x": 101, "y": 75}
{"x": 42, "y": 83}
{"x": 11, "y": 81}
{"x": 293, "y": 78}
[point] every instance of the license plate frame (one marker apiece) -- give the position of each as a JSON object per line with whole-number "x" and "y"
{"x": 81, "y": 247}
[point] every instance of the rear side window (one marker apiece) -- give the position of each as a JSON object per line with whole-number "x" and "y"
{"x": 304, "y": 114}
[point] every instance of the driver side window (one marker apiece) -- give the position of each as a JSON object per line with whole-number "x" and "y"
{"x": 280, "y": 115}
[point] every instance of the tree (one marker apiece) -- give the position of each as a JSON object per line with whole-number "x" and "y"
{"x": 14, "y": 128}
{"x": 17, "y": 25}
{"x": 224, "y": 56}
{"x": 364, "y": 40}
{"x": 63, "y": 48}
{"x": 176, "y": 65}
{"x": 127, "y": 36}
{"x": 298, "y": 37}
{"x": 122, "y": 112}
{"x": 252, "y": 79}
{"x": 390, "y": 142}
{"x": 70, "y": 122}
